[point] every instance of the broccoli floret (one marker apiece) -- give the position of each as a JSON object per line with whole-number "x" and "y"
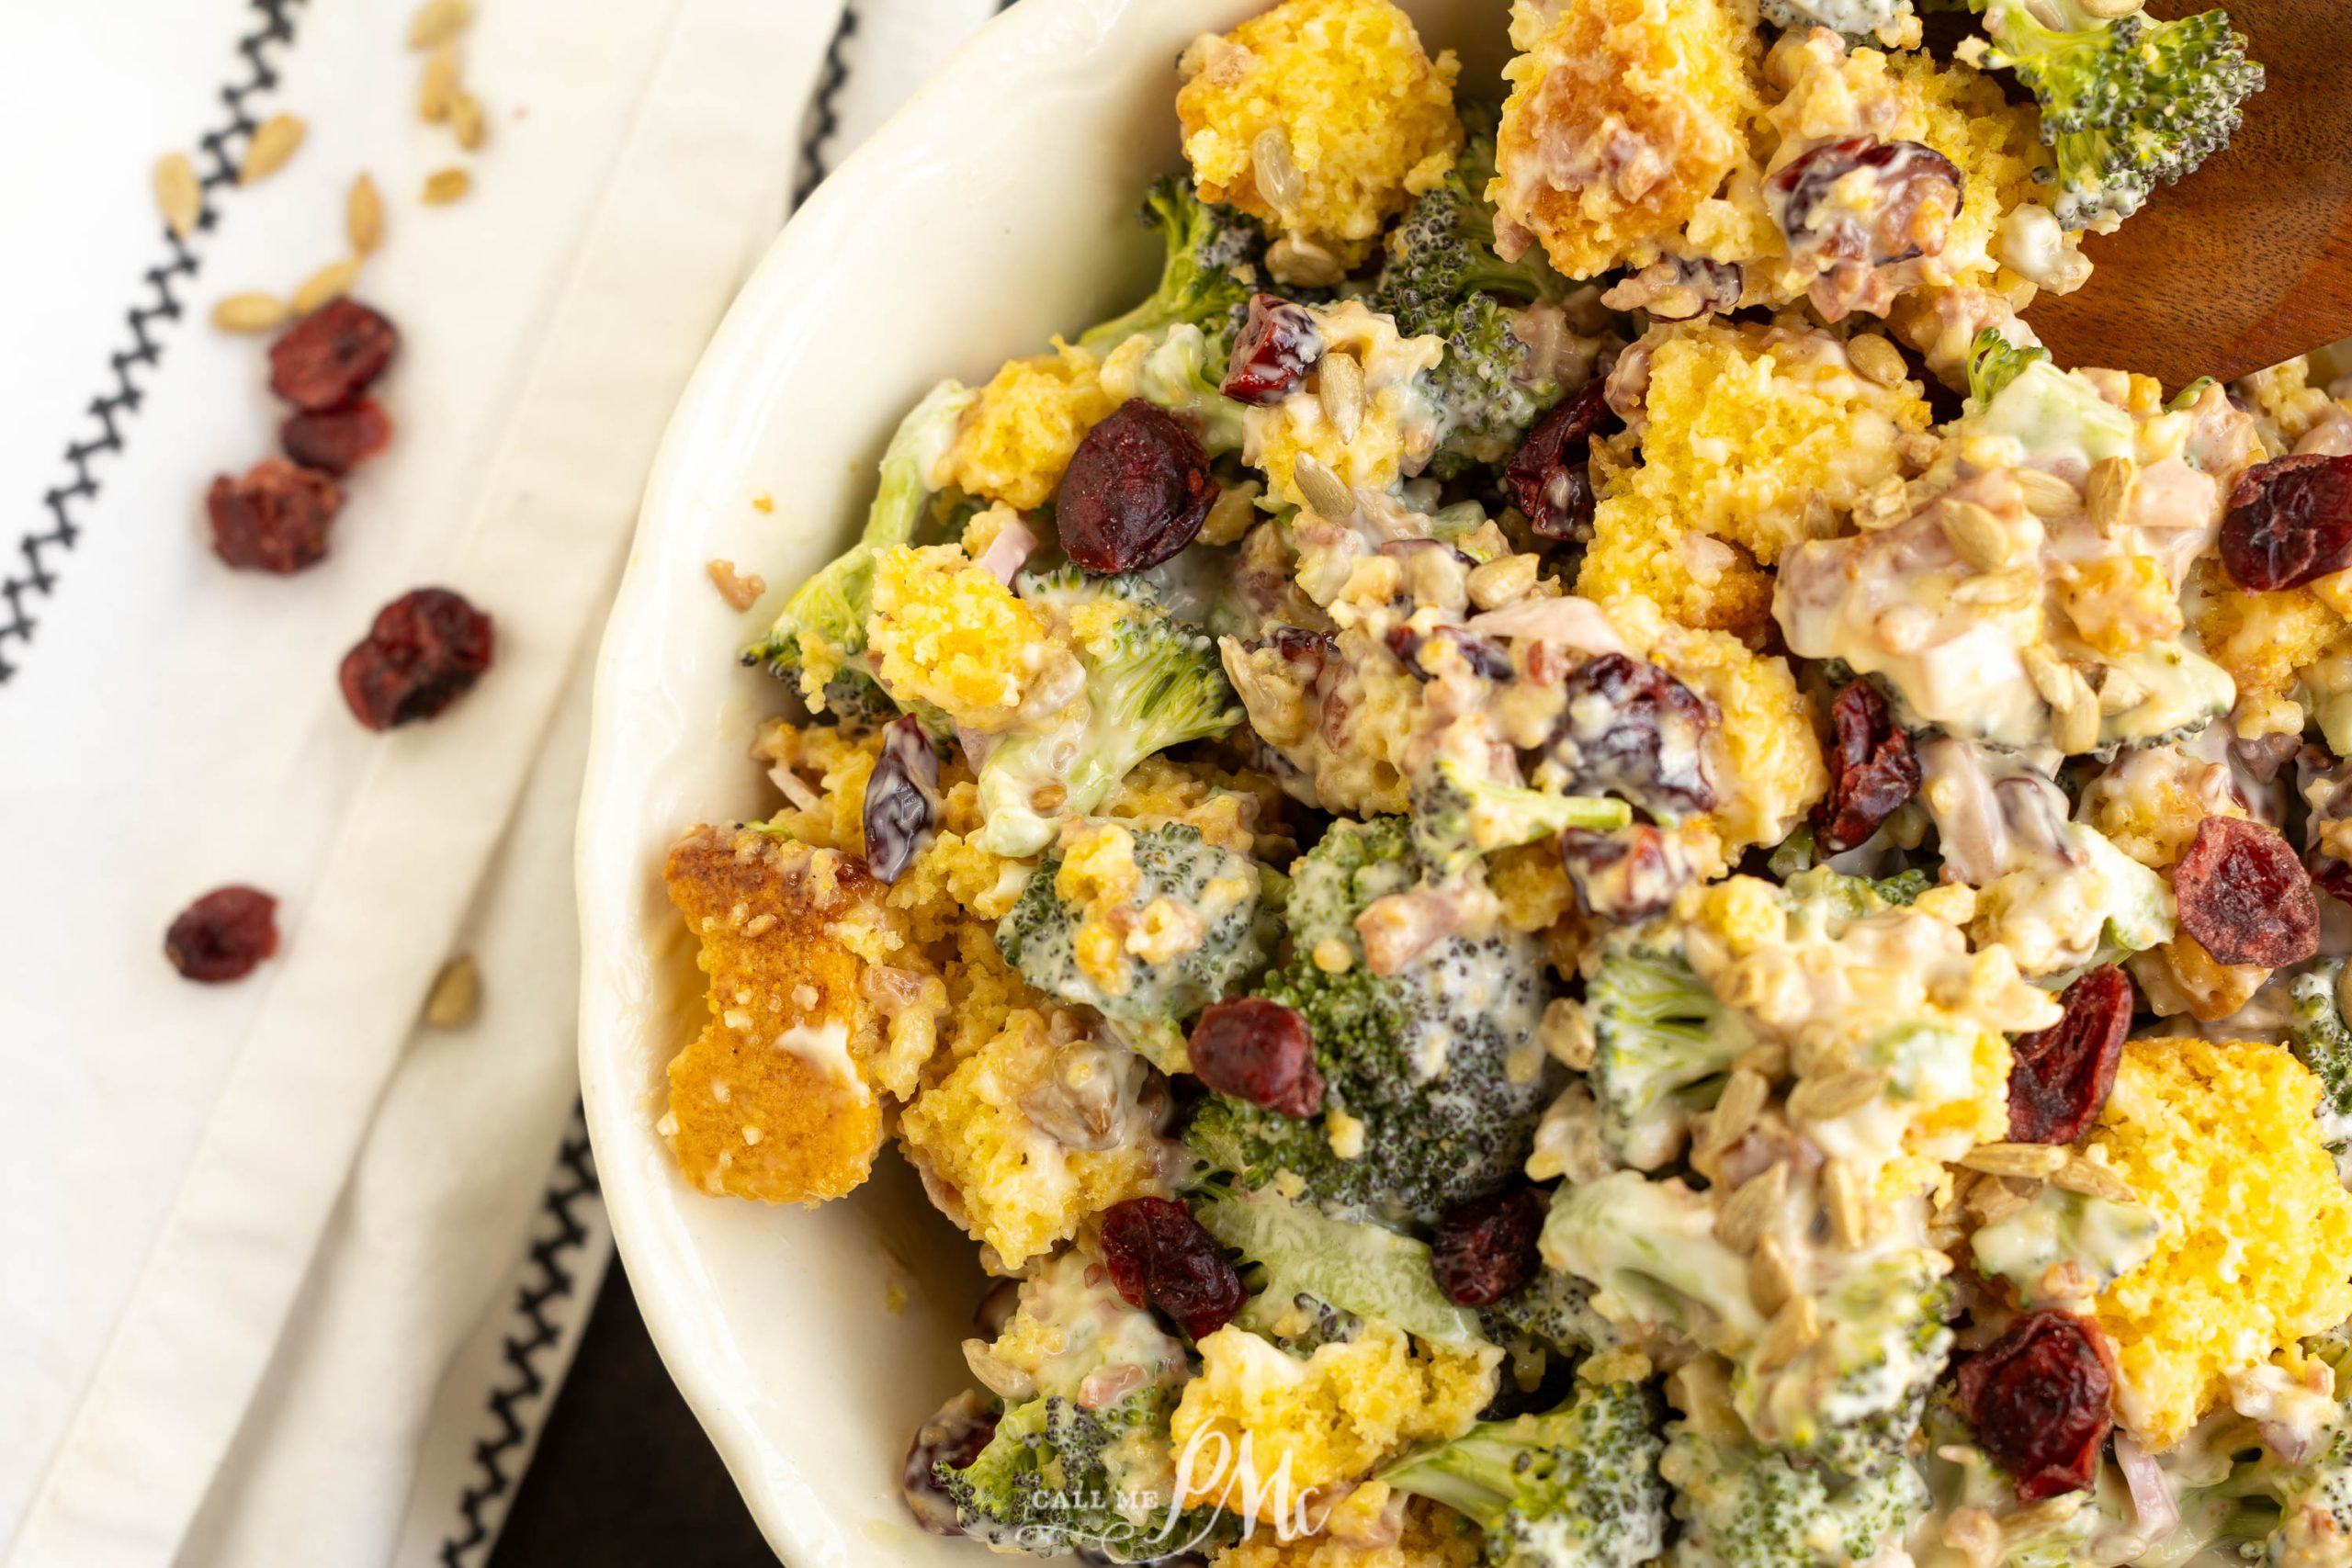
{"x": 1744, "y": 1506}
{"x": 1185, "y": 374}
{"x": 1211, "y": 270}
{"x": 1441, "y": 275}
{"x": 1859, "y": 20}
{"x": 1553, "y": 1311}
{"x": 1457, "y": 817}
{"x": 1577, "y": 1488}
{"x": 2321, "y": 1042}
{"x": 823, "y": 625}
{"x": 1039, "y": 938}
{"x": 1856, "y": 1394}
{"x": 1994, "y": 362}
{"x": 2092, "y": 1242}
{"x": 1422, "y": 1107}
{"x": 2127, "y": 104}
{"x": 1649, "y": 1249}
{"x": 1360, "y": 1269}
{"x": 1150, "y": 683}
{"x": 1662, "y": 1047}
{"x": 1059, "y": 1478}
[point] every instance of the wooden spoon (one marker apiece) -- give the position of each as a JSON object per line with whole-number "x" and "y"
{"x": 2248, "y": 261}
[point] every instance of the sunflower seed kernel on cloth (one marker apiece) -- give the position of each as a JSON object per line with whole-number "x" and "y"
{"x": 179, "y": 195}
{"x": 330, "y": 282}
{"x": 437, "y": 88}
{"x": 363, "y": 217}
{"x": 437, "y": 21}
{"x": 456, "y": 994}
{"x": 274, "y": 143}
{"x": 249, "y": 314}
{"x": 443, "y": 187}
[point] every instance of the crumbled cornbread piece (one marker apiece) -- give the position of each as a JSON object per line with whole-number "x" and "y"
{"x": 2264, "y": 641}
{"x": 1030, "y": 417}
{"x": 948, "y": 632}
{"x": 1331, "y": 1415}
{"x": 1754, "y": 437}
{"x": 1321, "y": 119}
{"x": 776, "y": 1100}
{"x": 982, "y": 1138}
{"x": 2219, "y": 1138}
{"x": 1623, "y": 117}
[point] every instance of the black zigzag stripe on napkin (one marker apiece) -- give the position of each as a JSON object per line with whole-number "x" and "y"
{"x": 825, "y": 120}
{"x": 110, "y": 410}
{"x": 536, "y": 1324}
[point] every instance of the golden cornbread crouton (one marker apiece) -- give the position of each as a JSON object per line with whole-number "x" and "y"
{"x": 947, "y": 632}
{"x": 2266, "y": 641}
{"x": 1321, "y": 119}
{"x": 2219, "y": 1138}
{"x": 1034, "y": 1129}
{"x": 777, "y": 1098}
{"x": 1019, "y": 436}
{"x": 1327, "y": 1417}
{"x": 1744, "y": 441}
{"x": 1623, "y": 117}
{"x": 1433, "y": 1537}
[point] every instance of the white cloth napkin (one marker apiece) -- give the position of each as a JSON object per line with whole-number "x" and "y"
{"x": 262, "y": 1245}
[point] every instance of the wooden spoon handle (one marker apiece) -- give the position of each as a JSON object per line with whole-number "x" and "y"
{"x": 2249, "y": 260}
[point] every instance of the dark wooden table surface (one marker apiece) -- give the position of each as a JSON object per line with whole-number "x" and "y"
{"x": 624, "y": 1475}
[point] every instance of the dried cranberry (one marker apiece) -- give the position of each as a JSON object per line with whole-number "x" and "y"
{"x": 223, "y": 934}
{"x": 901, "y": 810}
{"x": 1485, "y": 1249}
{"x": 1304, "y": 651}
{"x": 1135, "y": 491}
{"x": 1550, "y": 474}
{"x": 951, "y": 1440}
{"x": 2329, "y": 875}
{"x": 1259, "y": 1051}
{"x": 2040, "y": 1397}
{"x": 2289, "y": 521}
{"x": 1874, "y": 770}
{"x": 274, "y": 519}
{"x": 1626, "y": 874}
{"x": 1912, "y": 198}
{"x": 331, "y": 355}
{"x": 426, "y": 649}
{"x": 1159, "y": 1253}
{"x": 2245, "y": 896}
{"x": 337, "y": 440}
{"x": 1277, "y": 346}
{"x": 1487, "y": 658}
{"x": 1631, "y": 727}
{"x": 2060, "y": 1077}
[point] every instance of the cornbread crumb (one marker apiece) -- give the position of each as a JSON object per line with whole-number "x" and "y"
{"x": 1027, "y": 421}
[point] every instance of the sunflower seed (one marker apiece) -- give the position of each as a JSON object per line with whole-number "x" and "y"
{"x": 274, "y": 142}
{"x": 466, "y": 121}
{"x": 436, "y": 89}
{"x": 2034, "y": 1160}
{"x": 2048, "y": 672}
{"x": 249, "y": 314}
{"x": 1977, "y": 535}
{"x": 2110, "y": 491}
{"x": 437, "y": 21}
{"x": 1277, "y": 176}
{"x": 1339, "y": 387}
{"x": 363, "y": 217}
{"x": 2120, "y": 692}
{"x": 445, "y": 186}
{"x": 1825, "y": 1099}
{"x": 1875, "y": 359}
{"x": 1303, "y": 263}
{"x": 456, "y": 992}
{"x": 179, "y": 195}
{"x": 2112, "y": 10}
{"x": 1750, "y": 1209}
{"x": 1795, "y": 1327}
{"x": 1841, "y": 1194}
{"x": 331, "y": 281}
{"x": 2073, "y": 723}
{"x": 1743, "y": 1095}
{"x": 2079, "y": 1175}
{"x": 1997, "y": 587}
{"x": 1326, "y": 494}
{"x": 2045, "y": 494}
{"x": 1771, "y": 1282}
{"x": 2033, "y": 1519}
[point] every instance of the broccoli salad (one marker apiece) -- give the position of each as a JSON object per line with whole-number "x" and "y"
{"x": 1563, "y": 863}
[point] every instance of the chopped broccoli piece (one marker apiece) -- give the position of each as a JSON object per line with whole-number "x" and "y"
{"x": 1211, "y": 270}
{"x": 1417, "y": 1066}
{"x": 1859, "y": 20}
{"x": 1845, "y": 899}
{"x": 1441, "y": 275}
{"x": 1649, "y": 1248}
{"x": 2051, "y": 413}
{"x": 1994, "y": 362}
{"x": 1185, "y": 374}
{"x": 823, "y": 625}
{"x": 1743, "y": 1506}
{"x": 1058, "y": 1478}
{"x": 1856, "y": 1394}
{"x": 1577, "y": 1488}
{"x": 1363, "y": 1270}
{"x": 1150, "y": 683}
{"x": 1458, "y": 816}
{"x": 1663, "y": 1046}
{"x": 1553, "y": 1310}
{"x": 2127, "y": 104}
{"x": 2321, "y": 1042}
{"x": 2092, "y": 1241}
{"x": 1039, "y": 938}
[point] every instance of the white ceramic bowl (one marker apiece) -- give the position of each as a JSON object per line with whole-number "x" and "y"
{"x": 996, "y": 209}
